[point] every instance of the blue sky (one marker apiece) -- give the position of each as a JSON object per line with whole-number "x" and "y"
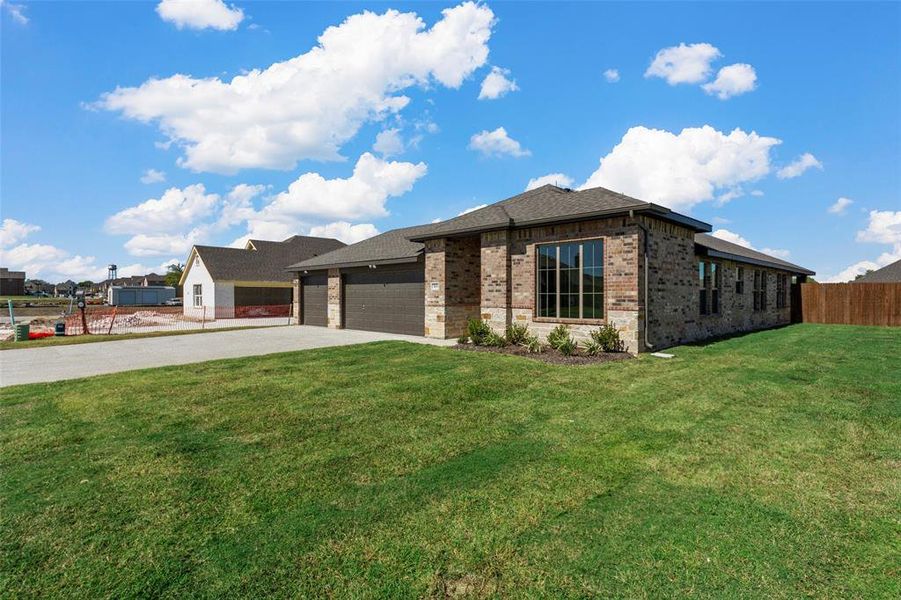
{"x": 757, "y": 118}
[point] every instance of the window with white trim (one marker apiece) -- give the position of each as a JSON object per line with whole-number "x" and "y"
{"x": 571, "y": 280}
{"x": 198, "y": 294}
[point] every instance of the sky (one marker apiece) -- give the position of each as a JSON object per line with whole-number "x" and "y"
{"x": 131, "y": 130}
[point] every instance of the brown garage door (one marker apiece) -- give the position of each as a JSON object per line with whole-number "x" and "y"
{"x": 389, "y": 299}
{"x": 262, "y": 296}
{"x": 314, "y": 307}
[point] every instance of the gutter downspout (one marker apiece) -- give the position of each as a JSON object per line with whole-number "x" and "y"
{"x": 647, "y": 342}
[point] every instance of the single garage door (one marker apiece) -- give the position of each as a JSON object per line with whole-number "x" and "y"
{"x": 389, "y": 299}
{"x": 314, "y": 305}
{"x": 263, "y": 296}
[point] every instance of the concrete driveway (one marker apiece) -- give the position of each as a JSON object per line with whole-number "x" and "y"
{"x": 55, "y": 363}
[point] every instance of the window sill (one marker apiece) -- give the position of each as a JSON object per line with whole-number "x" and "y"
{"x": 569, "y": 321}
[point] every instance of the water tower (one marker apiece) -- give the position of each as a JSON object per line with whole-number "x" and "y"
{"x": 111, "y": 272}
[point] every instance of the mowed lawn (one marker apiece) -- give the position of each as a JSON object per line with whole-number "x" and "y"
{"x": 761, "y": 466}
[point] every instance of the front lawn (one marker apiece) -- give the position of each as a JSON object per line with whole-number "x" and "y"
{"x": 762, "y": 466}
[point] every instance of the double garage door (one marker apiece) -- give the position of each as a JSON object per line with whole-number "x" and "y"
{"x": 388, "y": 299}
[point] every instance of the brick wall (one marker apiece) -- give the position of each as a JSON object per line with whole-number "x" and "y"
{"x": 674, "y": 290}
{"x": 510, "y": 268}
{"x": 334, "y": 299}
{"x": 454, "y": 265}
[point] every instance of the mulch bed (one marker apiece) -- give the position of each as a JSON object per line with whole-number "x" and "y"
{"x": 549, "y": 355}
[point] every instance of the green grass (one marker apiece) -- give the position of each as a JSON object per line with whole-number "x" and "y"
{"x": 19, "y": 300}
{"x": 69, "y": 340}
{"x": 763, "y": 466}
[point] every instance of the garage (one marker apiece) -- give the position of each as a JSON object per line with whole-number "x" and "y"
{"x": 390, "y": 299}
{"x": 314, "y": 301}
{"x": 262, "y": 296}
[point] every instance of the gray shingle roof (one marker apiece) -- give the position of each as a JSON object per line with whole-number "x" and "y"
{"x": 391, "y": 246}
{"x": 743, "y": 254}
{"x": 267, "y": 262}
{"x": 550, "y": 203}
{"x": 888, "y": 274}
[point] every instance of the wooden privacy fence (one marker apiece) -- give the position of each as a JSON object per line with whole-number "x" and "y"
{"x": 851, "y": 303}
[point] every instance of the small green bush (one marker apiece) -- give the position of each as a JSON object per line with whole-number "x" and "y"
{"x": 593, "y": 347}
{"x": 495, "y": 339}
{"x": 478, "y": 330}
{"x": 463, "y": 339}
{"x": 517, "y": 333}
{"x": 567, "y": 347}
{"x": 533, "y": 344}
{"x": 608, "y": 339}
{"x": 557, "y": 336}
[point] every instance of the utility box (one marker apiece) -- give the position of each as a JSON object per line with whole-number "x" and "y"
{"x": 151, "y": 295}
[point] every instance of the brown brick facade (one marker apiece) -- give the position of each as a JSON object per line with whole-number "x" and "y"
{"x": 452, "y": 285}
{"x": 673, "y": 296}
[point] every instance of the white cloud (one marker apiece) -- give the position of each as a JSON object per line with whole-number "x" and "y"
{"x": 730, "y": 236}
{"x": 683, "y": 63}
{"x": 14, "y": 231}
{"x": 200, "y": 14}
{"x": 800, "y": 164}
{"x": 153, "y": 176}
{"x": 884, "y": 227}
{"x": 162, "y": 244}
{"x": 558, "y": 179}
{"x": 729, "y": 195}
{"x": 496, "y": 84}
{"x": 861, "y": 267}
{"x": 361, "y": 195}
{"x": 757, "y": 193}
{"x": 471, "y": 209}
{"x": 16, "y": 11}
{"x": 307, "y": 107}
{"x": 344, "y": 231}
{"x": 681, "y": 170}
{"x": 496, "y": 143}
{"x": 388, "y": 142}
{"x": 732, "y": 81}
{"x": 840, "y": 206}
{"x": 611, "y": 75}
{"x": 170, "y": 213}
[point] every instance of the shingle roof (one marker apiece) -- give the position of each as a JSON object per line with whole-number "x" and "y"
{"x": 888, "y": 274}
{"x": 267, "y": 262}
{"x": 550, "y": 203}
{"x": 391, "y": 246}
{"x": 743, "y": 254}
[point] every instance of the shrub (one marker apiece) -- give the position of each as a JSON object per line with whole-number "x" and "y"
{"x": 557, "y": 336}
{"x": 517, "y": 333}
{"x": 608, "y": 339}
{"x": 494, "y": 339}
{"x": 567, "y": 347}
{"x": 532, "y": 344}
{"x": 463, "y": 339}
{"x": 593, "y": 347}
{"x": 478, "y": 330}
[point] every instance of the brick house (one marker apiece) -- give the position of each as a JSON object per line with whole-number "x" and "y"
{"x": 550, "y": 256}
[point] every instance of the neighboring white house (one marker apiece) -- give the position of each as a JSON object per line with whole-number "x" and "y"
{"x": 228, "y": 282}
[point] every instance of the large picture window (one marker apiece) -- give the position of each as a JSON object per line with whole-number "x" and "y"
{"x": 571, "y": 280}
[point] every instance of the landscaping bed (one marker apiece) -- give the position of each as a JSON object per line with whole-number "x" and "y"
{"x": 549, "y": 355}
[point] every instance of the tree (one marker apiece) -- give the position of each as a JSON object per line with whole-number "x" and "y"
{"x": 173, "y": 273}
{"x": 86, "y": 283}
{"x": 863, "y": 274}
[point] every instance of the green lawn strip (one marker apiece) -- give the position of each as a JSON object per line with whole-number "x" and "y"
{"x": 68, "y": 340}
{"x": 763, "y": 465}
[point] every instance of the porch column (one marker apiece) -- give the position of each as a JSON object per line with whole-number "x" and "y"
{"x": 435, "y": 285}
{"x": 496, "y": 286}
